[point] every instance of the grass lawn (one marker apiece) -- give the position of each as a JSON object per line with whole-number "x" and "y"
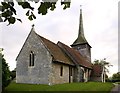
{"x": 89, "y": 86}
{"x": 117, "y": 82}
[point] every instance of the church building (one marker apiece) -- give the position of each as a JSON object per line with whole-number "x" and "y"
{"x": 41, "y": 61}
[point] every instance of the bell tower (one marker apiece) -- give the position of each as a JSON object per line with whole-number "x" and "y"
{"x": 81, "y": 43}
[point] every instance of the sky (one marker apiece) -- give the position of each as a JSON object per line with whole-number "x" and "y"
{"x": 100, "y": 21}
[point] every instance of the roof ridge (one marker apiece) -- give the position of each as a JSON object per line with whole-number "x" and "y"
{"x": 76, "y": 56}
{"x": 69, "y": 47}
{"x": 56, "y": 51}
{"x": 46, "y": 39}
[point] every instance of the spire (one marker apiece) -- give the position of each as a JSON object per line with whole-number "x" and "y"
{"x": 81, "y": 38}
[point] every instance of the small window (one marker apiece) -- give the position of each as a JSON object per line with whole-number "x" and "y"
{"x": 31, "y": 59}
{"x": 70, "y": 71}
{"x": 61, "y": 71}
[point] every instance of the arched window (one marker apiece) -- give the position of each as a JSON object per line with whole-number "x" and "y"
{"x": 32, "y": 56}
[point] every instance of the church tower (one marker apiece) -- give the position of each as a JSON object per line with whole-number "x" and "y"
{"x": 81, "y": 43}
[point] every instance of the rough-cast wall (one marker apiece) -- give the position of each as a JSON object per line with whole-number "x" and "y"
{"x": 40, "y": 72}
{"x": 81, "y": 74}
{"x": 75, "y": 74}
{"x": 56, "y": 78}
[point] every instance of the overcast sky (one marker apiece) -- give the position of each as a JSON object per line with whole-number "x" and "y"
{"x": 100, "y": 21}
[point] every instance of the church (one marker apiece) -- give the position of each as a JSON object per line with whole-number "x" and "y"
{"x": 41, "y": 61}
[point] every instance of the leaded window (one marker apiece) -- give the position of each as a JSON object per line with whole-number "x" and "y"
{"x": 31, "y": 60}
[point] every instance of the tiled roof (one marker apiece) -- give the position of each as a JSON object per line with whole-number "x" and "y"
{"x": 97, "y": 70}
{"x": 57, "y": 53}
{"x": 75, "y": 56}
{"x": 64, "y": 54}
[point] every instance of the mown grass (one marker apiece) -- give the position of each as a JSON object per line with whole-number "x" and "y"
{"x": 89, "y": 86}
{"x": 117, "y": 82}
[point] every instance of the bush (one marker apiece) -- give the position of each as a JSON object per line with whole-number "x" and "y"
{"x": 115, "y": 80}
{"x": 116, "y": 77}
{"x": 5, "y": 72}
{"x": 13, "y": 74}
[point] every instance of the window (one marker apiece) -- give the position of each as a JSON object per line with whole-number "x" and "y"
{"x": 31, "y": 59}
{"x": 70, "y": 69}
{"x": 61, "y": 71}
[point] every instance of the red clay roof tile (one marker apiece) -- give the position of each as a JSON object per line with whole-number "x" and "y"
{"x": 64, "y": 54}
{"x": 75, "y": 56}
{"x": 56, "y": 52}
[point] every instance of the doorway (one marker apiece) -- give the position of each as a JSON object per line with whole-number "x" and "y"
{"x": 70, "y": 74}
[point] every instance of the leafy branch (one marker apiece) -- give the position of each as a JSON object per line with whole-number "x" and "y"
{"x": 8, "y": 12}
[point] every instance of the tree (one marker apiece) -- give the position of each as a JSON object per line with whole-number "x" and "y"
{"x": 13, "y": 74}
{"x": 5, "y": 72}
{"x": 8, "y": 11}
{"x": 104, "y": 65}
{"x": 116, "y": 77}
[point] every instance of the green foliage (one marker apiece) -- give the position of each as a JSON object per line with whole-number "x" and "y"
{"x": 43, "y": 8}
{"x": 13, "y": 74}
{"x": 116, "y": 76}
{"x": 104, "y": 63}
{"x": 5, "y": 72}
{"x": 8, "y": 11}
{"x": 117, "y": 83}
{"x": 25, "y": 5}
{"x": 89, "y": 86}
{"x": 66, "y": 4}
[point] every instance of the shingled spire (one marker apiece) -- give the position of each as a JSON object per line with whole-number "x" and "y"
{"x": 81, "y": 44}
{"x": 81, "y": 38}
